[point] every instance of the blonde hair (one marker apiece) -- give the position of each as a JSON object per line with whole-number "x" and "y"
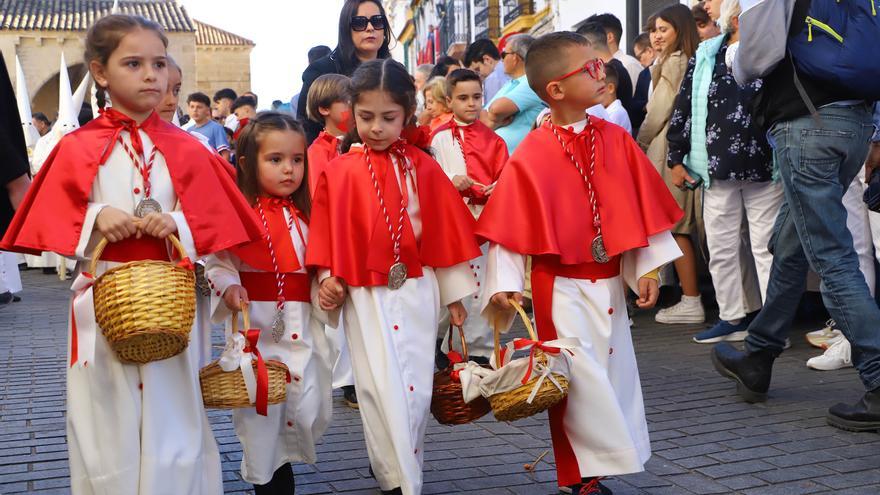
{"x": 325, "y": 91}
{"x": 730, "y": 10}
{"x": 437, "y": 89}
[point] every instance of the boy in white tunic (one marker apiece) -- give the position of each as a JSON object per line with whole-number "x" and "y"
{"x": 269, "y": 274}
{"x": 472, "y": 156}
{"x": 593, "y": 212}
{"x": 391, "y": 239}
{"x": 134, "y": 429}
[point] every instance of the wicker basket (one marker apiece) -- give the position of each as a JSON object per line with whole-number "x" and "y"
{"x": 512, "y": 405}
{"x": 447, "y": 404}
{"x": 145, "y": 308}
{"x": 226, "y": 390}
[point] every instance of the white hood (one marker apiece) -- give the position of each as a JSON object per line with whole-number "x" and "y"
{"x": 31, "y": 134}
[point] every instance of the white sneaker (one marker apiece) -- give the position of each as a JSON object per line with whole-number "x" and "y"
{"x": 686, "y": 311}
{"x": 822, "y": 338}
{"x": 838, "y": 355}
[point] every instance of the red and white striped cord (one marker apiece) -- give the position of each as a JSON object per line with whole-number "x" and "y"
{"x": 144, "y": 170}
{"x": 279, "y": 277}
{"x": 588, "y": 179}
{"x": 398, "y": 234}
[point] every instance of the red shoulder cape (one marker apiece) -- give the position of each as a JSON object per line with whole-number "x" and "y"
{"x": 257, "y": 253}
{"x": 484, "y": 151}
{"x": 52, "y": 213}
{"x": 540, "y": 205}
{"x": 324, "y": 149}
{"x": 348, "y": 233}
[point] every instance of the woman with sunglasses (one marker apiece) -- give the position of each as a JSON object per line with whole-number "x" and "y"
{"x": 364, "y": 35}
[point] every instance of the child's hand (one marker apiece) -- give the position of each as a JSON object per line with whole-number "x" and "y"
{"x": 487, "y": 190}
{"x": 158, "y": 225}
{"x": 457, "y": 313}
{"x": 115, "y": 224}
{"x": 502, "y": 303}
{"x": 332, "y": 293}
{"x": 649, "y": 291}
{"x": 462, "y": 182}
{"x": 235, "y": 296}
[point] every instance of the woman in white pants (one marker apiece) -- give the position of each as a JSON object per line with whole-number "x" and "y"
{"x": 711, "y": 131}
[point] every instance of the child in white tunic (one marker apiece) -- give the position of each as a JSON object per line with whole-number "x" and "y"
{"x": 269, "y": 274}
{"x": 391, "y": 239}
{"x": 133, "y": 429}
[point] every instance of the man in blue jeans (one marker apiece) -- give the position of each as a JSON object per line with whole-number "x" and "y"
{"x": 818, "y": 156}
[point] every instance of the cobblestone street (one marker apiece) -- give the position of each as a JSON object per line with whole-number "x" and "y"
{"x": 705, "y": 440}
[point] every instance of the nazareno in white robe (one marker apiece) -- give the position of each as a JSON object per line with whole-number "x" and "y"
{"x": 477, "y": 331}
{"x": 391, "y": 336}
{"x": 138, "y": 428}
{"x": 604, "y": 419}
{"x": 289, "y": 431}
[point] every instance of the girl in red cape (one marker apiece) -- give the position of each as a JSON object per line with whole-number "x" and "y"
{"x": 132, "y": 428}
{"x": 391, "y": 239}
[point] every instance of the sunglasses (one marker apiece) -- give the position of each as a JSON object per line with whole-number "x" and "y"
{"x": 505, "y": 54}
{"x": 359, "y": 22}
{"x": 593, "y": 68}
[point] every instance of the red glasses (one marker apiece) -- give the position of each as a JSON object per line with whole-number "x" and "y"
{"x": 593, "y": 68}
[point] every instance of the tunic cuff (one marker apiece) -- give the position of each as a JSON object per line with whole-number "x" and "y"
{"x": 184, "y": 234}
{"x": 221, "y": 274}
{"x": 88, "y": 238}
{"x": 661, "y": 249}
{"x": 505, "y": 272}
{"x": 455, "y": 283}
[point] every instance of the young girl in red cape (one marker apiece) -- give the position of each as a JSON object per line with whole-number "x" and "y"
{"x": 270, "y": 278}
{"x": 132, "y": 428}
{"x": 391, "y": 239}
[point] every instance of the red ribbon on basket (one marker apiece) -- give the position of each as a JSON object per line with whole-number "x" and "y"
{"x": 262, "y": 402}
{"x": 186, "y": 263}
{"x": 85, "y": 282}
{"x": 534, "y": 345}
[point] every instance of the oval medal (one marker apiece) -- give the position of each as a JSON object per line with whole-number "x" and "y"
{"x": 598, "y": 248}
{"x": 278, "y": 326}
{"x": 396, "y": 276}
{"x": 147, "y": 206}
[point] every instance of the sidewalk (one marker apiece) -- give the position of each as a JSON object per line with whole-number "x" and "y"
{"x": 705, "y": 439}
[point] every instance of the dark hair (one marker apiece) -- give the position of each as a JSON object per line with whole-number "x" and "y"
{"x": 382, "y": 75}
{"x": 595, "y": 34}
{"x": 252, "y": 95}
{"x": 247, "y": 149}
{"x": 243, "y": 101}
{"x": 318, "y": 52}
{"x": 687, "y": 38}
{"x": 324, "y": 92}
{"x": 610, "y": 23}
{"x": 546, "y": 61}
{"x": 479, "y": 49}
{"x": 225, "y": 93}
{"x": 612, "y": 77}
{"x": 199, "y": 98}
{"x": 41, "y": 117}
{"x": 700, "y": 14}
{"x": 458, "y": 76}
{"x": 104, "y": 36}
{"x": 348, "y": 60}
{"x": 642, "y": 40}
{"x": 650, "y": 24}
{"x": 441, "y": 68}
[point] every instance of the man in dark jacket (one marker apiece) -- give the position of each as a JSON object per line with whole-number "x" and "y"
{"x": 818, "y": 157}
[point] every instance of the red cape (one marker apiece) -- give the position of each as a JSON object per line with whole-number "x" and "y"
{"x": 52, "y": 213}
{"x": 485, "y": 154}
{"x": 257, "y": 253}
{"x": 348, "y": 233}
{"x": 540, "y": 205}
{"x": 323, "y": 149}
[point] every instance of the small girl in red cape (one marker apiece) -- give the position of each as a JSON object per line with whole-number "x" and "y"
{"x": 391, "y": 239}
{"x": 581, "y": 198}
{"x": 134, "y": 179}
{"x": 269, "y": 276}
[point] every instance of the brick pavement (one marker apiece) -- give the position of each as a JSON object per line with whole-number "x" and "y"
{"x": 705, "y": 440}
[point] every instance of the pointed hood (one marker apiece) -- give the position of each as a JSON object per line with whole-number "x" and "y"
{"x": 67, "y": 112}
{"x": 81, "y": 91}
{"x": 31, "y": 135}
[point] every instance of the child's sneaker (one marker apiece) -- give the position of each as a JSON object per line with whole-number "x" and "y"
{"x": 688, "y": 310}
{"x": 822, "y": 338}
{"x": 838, "y": 355}
{"x": 723, "y": 331}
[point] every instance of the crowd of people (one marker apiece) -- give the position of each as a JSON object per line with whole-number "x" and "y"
{"x": 364, "y": 221}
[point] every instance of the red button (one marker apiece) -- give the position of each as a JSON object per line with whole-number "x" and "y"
{"x": 478, "y": 284}
{"x": 476, "y": 297}
{"x": 475, "y": 275}
{"x": 396, "y": 327}
{"x": 295, "y": 336}
{"x": 417, "y": 451}
{"x": 290, "y": 423}
{"x": 137, "y": 190}
{"x": 610, "y": 311}
{"x": 592, "y": 280}
{"x": 610, "y": 351}
{"x": 218, "y": 293}
{"x": 472, "y": 266}
{"x": 141, "y": 386}
{"x": 296, "y": 378}
{"x": 411, "y": 388}
{"x": 478, "y": 267}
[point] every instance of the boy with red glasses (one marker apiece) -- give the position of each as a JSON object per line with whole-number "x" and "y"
{"x": 587, "y": 205}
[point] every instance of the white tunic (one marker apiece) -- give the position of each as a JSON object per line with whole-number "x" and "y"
{"x": 47, "y": 259}
{"x": 604, "y": 420}
{"x": 391, "y": 335}
{"x": 477, "y": 331}
{"x": 138, "y": 428}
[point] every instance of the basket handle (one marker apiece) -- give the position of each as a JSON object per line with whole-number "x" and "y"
{"x": 99, "y": 249}
{"x": 245, "y": 314}
{"x": 464, "y": 348}
{"x": 497, "y": 328}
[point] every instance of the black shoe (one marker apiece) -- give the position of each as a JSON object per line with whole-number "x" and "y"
{"x": 6, "y": 297}
{"x": 15, "y": 298}
{"x": 590, "y": 486}
{"x": 750, "y": 371}
{"x": 350, "y": 396}
{"x": 396, "y": 491}
{"x": 861, "y": 416}
{"x": 50, "y": 271}
{"x": 23, "y": 267}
